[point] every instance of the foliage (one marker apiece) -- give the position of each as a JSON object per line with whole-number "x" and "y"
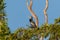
{"x": 4, "y": 30}
{"x": 33, "y": 33}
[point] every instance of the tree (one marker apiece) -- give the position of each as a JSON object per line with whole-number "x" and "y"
{"x": 4, "y": 30}
{"x": 55, "y": 30}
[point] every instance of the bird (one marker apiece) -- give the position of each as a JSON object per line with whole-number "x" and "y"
{"x": 32, "y": 23}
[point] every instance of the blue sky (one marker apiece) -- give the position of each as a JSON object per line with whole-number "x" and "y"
{"x": 18, "y": 14}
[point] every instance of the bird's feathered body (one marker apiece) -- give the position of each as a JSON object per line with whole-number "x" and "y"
{"x": 33, "y": 25}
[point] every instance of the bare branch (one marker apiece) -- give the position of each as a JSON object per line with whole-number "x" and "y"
{"x": 31, "y": 11}
{"x": 45, "y": 14}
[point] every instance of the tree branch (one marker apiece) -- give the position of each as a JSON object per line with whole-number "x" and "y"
{"x": 31, "y": 11}
{"x": 45, "y": 14}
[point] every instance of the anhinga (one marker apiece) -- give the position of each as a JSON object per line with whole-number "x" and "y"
{"x": 33, "y": 25}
